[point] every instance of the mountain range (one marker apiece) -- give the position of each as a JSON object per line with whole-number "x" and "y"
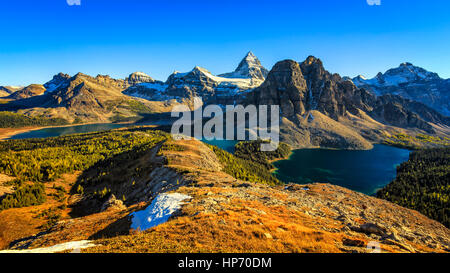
{"x": 319, "y": 109}
{"x": 411, "y": 82}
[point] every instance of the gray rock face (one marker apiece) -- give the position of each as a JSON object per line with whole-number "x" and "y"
{"x": 405, "y": 113}
{"x": 324, "y": 93}
{"x": 411, "y": 82}
{"x": 311, "y": 87}
{"x": 301, "y": 89}
{"x": 197, "y": 82}
{"x": 113, "y": 203}
{"x": 138, "y": 77}
{"x": 298, "y": 88}
{"x": 284, "y": 86}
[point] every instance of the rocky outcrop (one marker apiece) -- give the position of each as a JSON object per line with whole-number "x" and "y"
{"x": 284, "y": 86}
{"x": 138, "y": 77}
{"x": 113, "y": 204}
{"x": 311, "y": 102}
{"x": 397, "y": 111}
{"x": 299, "y": 88}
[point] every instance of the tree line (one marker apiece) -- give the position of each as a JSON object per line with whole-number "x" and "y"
{"x": 423, "y": 184}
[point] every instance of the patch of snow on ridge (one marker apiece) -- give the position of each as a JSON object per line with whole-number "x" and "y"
{"x": 75, "y": 245}
{"x": 157, "y": 86}
{"x": 159, "y": 211}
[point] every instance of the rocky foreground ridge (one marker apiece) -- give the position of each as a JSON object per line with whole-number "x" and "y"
{"x": 225, "y": 214}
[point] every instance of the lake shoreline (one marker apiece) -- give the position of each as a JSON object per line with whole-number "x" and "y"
{"x": 344, "y": 171}
{"x": 6, "y": 133}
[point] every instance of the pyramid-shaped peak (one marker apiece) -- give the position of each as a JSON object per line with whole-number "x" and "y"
{"x": 250, "y": 59}
{"x": 250, "y": 56}
{"x": 249, "y": 67}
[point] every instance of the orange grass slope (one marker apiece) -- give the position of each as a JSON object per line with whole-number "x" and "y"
{"x": 229, "y": 215}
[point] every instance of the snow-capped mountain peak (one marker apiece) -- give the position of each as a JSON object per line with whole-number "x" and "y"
{"x": 411, "y": 82}
{"x": 403, "y": 74}
{"x": 249, "y": 67}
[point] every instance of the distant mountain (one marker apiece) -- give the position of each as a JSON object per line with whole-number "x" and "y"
{"x": 58, "y": 81}
{"x": 323, "y": 109}
{"x": 411, "y": 82}
{"x": 318, "y": 108}
{"x": 222, "y": 89}
{"x": 85, "y": 99}
{"x": 249, "y": 67}
{"x": 138, "y": 77}
{"x": 8, "y": 90}
{"x": 28, "y": 92}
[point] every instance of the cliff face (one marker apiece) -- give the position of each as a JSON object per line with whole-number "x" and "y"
{"x": 306, "y": 91}
{"x": 225, "y": 214}
{"x": 284, "y": 86}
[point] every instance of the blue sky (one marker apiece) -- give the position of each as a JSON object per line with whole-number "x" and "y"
{"x": 40, "y": 38}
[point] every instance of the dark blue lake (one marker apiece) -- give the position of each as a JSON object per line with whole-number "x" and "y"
{"x": 363, "y": 171}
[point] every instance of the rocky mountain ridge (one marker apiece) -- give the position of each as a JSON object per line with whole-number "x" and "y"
{"x": 221, "y": 89}
{"x": 84, "y": 98}
{"x": 319, "y": 109}
{"x": 410, "y": 82}
{"x": 306, "y": 91}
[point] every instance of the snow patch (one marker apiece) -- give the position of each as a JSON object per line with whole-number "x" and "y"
{"x": 159, "y": 211}
{"x": 75, "y": 245}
